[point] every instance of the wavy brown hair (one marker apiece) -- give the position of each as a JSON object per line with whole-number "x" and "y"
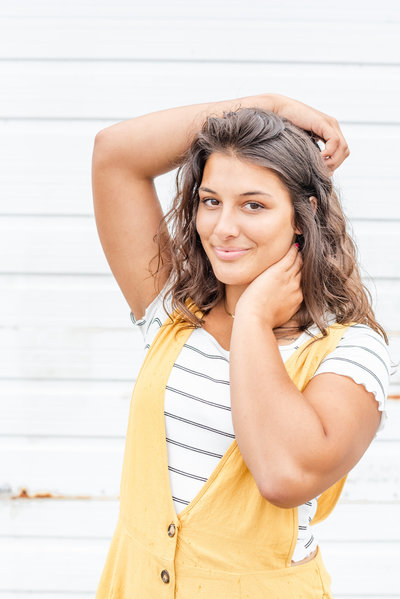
{"x": 330, "y": 280}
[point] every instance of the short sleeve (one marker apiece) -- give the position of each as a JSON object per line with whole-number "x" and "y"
{"x": 362, "y": 355}
{"x": 154, "y": 316}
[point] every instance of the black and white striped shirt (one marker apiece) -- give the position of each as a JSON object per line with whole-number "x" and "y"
{"x": 198, "y": 418}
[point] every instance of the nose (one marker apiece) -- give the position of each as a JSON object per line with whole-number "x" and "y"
{"x": 227, "y": 224}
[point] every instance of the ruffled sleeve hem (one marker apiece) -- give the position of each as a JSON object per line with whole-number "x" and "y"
{"x": 368, "y": 386}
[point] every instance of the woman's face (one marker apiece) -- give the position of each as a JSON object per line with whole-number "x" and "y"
{"x": 244, "y": 218}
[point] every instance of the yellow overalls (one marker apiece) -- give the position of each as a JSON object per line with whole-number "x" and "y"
{"x": 229, "y": 542}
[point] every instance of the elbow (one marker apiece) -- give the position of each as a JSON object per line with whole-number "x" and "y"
{"x": 103, "y": 142}
{"x": 282, "y": 496}
{"x": 288, "y": 490}
{"x": 108, "y": 151}
{"x": 115, "y": 148}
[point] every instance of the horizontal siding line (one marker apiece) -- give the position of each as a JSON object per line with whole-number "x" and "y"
{"x": 5, "y": 496}
{"x": 90, "y": 216}
{"x": 373, "y": 541}
{"x": 366, "y": 219}
{"x": 366, "y": 278}
{"x": 6, "y": 119}
{"x": 64, "y": 436}
{"x": 87, "y": 379}
{"x": 35, "y": 594}
{"x": 378, "y": 440}
{"x": 37, "y": 273}
{"x": 67, "y": 379}
{"x": 101, "y": 276}
{"x": 58, "y": 274}
{"x": 98, "y": 328}
{"x": 57, "y": 593}
{"x": 353, "y": 541}
{"x": 369, "y": 279}
{"x": 73, "y": 215}
{"x": 102, "y": 499}
{"x": 244, "y": 61}
{"x": 10, "y": 593}
{"x": 56, "y": 538}
{"x": 115, "y": 329}
{"x": 189, "y": 17}
{"x": 386, "y": 502}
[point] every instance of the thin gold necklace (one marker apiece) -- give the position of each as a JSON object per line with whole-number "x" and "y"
{"x": 287, "y": 338}
{"x": 226, "y": 310}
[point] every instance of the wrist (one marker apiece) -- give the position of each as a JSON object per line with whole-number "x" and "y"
{"x": 267, "y": 101}
{"x": 270, "y": 101}
{"x": 277, "y": 103}
{"x": 256, "y": 314}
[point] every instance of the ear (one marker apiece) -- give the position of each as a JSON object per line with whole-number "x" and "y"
{"x": 314, "y": 203}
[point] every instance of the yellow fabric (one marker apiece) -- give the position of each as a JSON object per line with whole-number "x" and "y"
{"x": 229, "y": 542}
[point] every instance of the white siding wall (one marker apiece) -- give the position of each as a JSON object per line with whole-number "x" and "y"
{"x": 68, "y": 353}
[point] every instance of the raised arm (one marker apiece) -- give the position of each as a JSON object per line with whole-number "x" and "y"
{"x": 129, "y": 155}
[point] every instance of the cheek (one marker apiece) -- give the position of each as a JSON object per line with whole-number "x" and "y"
{"x": 198, "y": 226}
{"x": 274, "y": 240}
{"x": 202, "y": 225}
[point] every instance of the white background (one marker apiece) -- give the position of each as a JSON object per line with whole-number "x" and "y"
{"x": 68, "y": 352}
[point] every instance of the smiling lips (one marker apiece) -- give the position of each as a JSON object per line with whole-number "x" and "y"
{"x": 229, "y": 253}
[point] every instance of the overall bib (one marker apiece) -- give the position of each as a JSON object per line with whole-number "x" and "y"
{"x": 228, "y": 542}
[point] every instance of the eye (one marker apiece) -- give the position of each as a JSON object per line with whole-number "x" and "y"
{"x": 210, "y": 202}
{"x": 254, "y": 206}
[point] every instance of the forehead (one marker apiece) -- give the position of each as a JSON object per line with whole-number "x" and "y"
{"x": 225, "y": 173}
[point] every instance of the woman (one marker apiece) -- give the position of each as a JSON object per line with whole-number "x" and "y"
{"x": 266, "y": 372}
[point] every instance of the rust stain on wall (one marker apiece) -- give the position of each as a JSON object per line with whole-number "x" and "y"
{"x": 24, "y": 494}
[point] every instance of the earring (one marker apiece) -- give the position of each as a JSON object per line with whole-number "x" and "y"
{"x": 300, "y": 241}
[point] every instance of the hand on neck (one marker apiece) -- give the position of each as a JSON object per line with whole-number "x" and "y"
{"x": 287, "y": 331}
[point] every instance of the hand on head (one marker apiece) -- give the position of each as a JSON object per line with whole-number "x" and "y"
{"x": 325, "y": 128}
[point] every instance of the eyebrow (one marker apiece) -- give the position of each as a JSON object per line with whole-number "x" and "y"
{"x": 246, "y": 193}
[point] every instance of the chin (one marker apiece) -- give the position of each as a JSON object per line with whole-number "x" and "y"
{"x": 234, "y": 278}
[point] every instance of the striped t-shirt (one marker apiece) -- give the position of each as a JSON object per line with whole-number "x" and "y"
{"x": 198, "y": 420}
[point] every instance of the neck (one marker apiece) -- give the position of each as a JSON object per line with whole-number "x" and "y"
{"x": 232, "y": 295}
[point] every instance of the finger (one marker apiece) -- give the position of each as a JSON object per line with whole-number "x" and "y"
{"x": 332, "y": 145}
{"x": 336, "y": 149}
{"x": 298, "y": 266}
{"x": 286, "y": 262}
{"x": 299, "y": 301}
{"x": 292, "y": 255}
{"x": 334, "y": 161}
{"x": 297, "y": 263}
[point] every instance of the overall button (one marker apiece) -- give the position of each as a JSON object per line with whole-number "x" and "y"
{"x": 165, "y": 576}
{"x": 171, "y": 530}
